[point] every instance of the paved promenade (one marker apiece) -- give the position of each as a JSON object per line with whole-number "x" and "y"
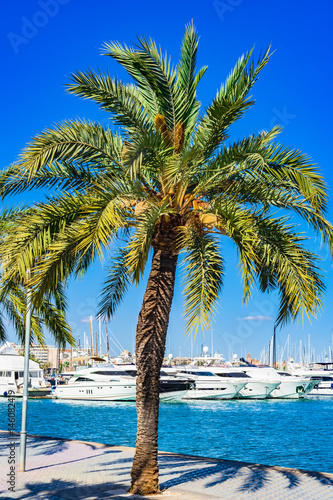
{"x": 64, "y": 469}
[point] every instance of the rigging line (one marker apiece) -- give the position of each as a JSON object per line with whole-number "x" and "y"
{"x": 116, "y": 341}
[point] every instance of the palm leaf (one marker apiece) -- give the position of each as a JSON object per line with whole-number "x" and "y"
{"x": 187, "y": 81}
{"x": 123, "y": 101}
{"x": 140, "y": 242}
{"x": 115, "y": 285}
{"x": 230, "y": 104}
{"x": 203, "y": 274}
{"x": 76, "y": 142}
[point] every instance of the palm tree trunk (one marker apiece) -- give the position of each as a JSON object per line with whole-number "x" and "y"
{"x": 150, "y": 347}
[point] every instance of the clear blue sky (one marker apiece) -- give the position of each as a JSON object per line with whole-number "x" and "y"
{"x": 43, "y": 42}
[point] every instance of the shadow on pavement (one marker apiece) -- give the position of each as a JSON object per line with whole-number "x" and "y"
{"x": 253, "y": 477}
{"x": 59, "y": 489}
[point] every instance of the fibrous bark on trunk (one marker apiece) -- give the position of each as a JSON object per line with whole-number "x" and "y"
{"x": 150, "y": 347}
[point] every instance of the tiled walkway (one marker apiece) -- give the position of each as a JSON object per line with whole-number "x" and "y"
{"x": 64, "y": 469}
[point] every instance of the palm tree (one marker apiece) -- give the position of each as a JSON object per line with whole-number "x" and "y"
{"x": 167, "y": 186}
{"x": 50, "y": 313}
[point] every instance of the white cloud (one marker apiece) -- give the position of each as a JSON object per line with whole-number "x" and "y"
{"x": 255, "y": 318}
{"x": 86, "y": 319}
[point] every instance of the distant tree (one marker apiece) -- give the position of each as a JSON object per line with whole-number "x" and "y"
{"x": 48, "y": 313}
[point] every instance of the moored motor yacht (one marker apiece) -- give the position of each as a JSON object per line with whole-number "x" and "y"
{"x": 254, "y": 388}
{"x": 90, "y": 386}
{"x": 323, "y": 386}
{"x": 114, "y": 383}
{"x": 289, "y": 387}
{"x": 321, "y": 378}
{"x": 12, "y": 374}
{"x": 207, "y": 385}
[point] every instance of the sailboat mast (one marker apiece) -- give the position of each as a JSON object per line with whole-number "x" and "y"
{"x": 107, "y": 340}
{"x": 96, "y": 342}
{"x": 91, "y": 338}
{"x": 274, "y": 347}
{"x": 100, "y": 336}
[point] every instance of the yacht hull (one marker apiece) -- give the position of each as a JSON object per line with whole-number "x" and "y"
{"x": 229, "y": 391}
{"x": 96, "y": 392}
{"x": 115, "y": 392}
{"x": 255, "y": 390}
{"x": 290, "y": 390}
{"x": 322, "y": 389}
{"x": 172, "y": 396}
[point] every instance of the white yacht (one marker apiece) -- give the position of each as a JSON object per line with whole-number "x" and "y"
{"x": 323, "y": 386}
{"x": 111, "y": 383}
{"x": 12, "y": 374}
{"x": 254, "y": 388}
{"x": 88, "y": 385}
{"x": 207, "y": 385}
{"x": 289, "y": 387}
{"x": 321, "y": 378}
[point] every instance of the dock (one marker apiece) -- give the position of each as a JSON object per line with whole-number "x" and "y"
{"x": 66, "y": 469}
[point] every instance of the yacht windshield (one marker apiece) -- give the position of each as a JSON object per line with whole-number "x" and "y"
{"x": 199, "y": 374}
{"x": 109, "y": 372}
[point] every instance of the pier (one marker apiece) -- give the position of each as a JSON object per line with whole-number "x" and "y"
{"x": 66, "y": 469}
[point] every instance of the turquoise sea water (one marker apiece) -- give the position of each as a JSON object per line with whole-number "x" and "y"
{"x": 274, "y": 432}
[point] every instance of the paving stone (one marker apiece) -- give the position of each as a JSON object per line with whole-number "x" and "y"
{"x": 59, "y": 469}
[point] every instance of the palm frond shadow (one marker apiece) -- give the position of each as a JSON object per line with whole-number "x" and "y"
{"x": 53, "y": 445}
{"x": 255, "y": 477}
{"x": 193, "y": 473}
{"x": 56, "y": 447}
{"x": 105, "y": 466}
{"x": 62, "y": 490}
{"x": 45, "y": 448}
{"x": 293, "y": 479}
{"x": 319, "y": 476}
{"x": 255, "y": 480}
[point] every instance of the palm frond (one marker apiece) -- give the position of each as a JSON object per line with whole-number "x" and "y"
{"x": 33, "y": 230}
{"x": 75, "y": 248}
{"x": 140, "y": 242}
{"x": 154, "y": 76}
{"x": 2, "y": 327}
{"x": 78, "y": 142}
{"x": 203, "y": 275}
{"x": 230, "y": 104}
{"x": 122, "y": 101}
{"x": 152, "y": 186}
{"x": 187, "y": 80}
{"x": 16, "y": 179}
{"x": 271, "y": 250}
{"x": 47, "y": 315}
{"x": 115, "y": 285}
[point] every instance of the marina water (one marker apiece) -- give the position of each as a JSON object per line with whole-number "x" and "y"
{"x": 287, "y": 433}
